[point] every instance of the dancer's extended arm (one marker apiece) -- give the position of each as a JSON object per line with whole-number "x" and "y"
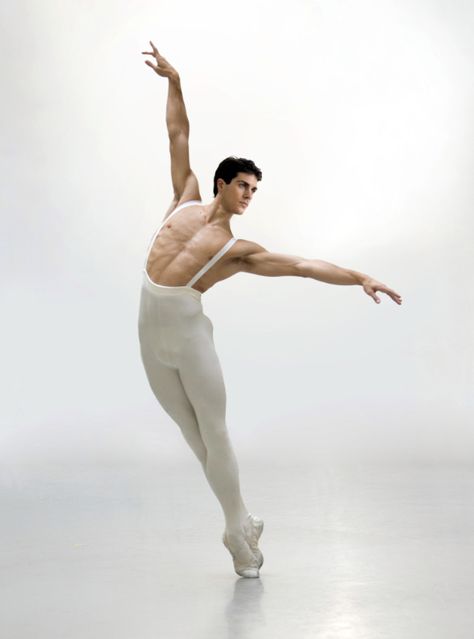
{"x": 256, "y": 259}
{"x": 185, "y": 183}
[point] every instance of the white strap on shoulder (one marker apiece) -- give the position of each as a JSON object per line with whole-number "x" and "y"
{"x": 217, "y": 256}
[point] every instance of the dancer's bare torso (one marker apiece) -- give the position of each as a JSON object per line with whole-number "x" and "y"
{"x": 186, "y": 243}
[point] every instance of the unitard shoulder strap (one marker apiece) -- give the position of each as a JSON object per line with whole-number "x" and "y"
{"x": 178, "y": 208}
{"x": 211, "y": 262}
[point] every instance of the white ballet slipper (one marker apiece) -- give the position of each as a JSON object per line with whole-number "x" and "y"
{"x": 245, "y": 562}
{"x": 253, "y": 528}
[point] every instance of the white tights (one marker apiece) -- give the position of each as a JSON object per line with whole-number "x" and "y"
{"x": 184, "y": 373}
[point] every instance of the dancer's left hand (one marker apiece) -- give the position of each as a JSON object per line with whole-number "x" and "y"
{"x": 370, "y": 286}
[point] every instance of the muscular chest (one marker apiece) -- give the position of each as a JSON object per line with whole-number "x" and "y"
{"x": 183, "y": 247}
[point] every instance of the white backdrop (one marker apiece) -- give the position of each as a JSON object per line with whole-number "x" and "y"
{"x": 359, "y": 115}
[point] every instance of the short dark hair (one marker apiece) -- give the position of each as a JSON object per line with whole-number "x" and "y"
{"x": 228, "y": 169}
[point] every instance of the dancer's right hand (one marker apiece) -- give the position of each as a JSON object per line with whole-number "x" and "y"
{"x": 162, "y": 67}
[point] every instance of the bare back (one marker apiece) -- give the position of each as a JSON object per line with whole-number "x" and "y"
{"x": 184, "y": 244}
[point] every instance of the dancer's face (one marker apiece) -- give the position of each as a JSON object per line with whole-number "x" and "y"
{"x": 238, "y": 194}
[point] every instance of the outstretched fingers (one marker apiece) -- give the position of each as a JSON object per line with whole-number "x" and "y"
{"x": 155, "y": 54}
{"x": 162, "y": 66}
{"x": 388, "y": 291}
{"x": 155, "y": 50}
{"x": 371, "y": 287}
{"x": 395, "y": 297}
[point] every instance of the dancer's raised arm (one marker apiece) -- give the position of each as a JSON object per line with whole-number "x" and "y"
{"x": 185, "y": 184}
{"x": 256, "y": 259}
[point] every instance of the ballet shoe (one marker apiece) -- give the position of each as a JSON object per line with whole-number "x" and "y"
{"x": 253, "y": 528}
{"x": 245, "y": 563}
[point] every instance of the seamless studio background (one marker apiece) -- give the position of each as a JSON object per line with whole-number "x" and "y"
{"x": 358, "y": 114}
{"x": 351, "y": 420}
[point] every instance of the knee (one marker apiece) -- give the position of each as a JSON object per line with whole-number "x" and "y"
{"x": 215, "y": 437}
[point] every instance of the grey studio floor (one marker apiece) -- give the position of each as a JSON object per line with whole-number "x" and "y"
{"x": 134, "y": 551}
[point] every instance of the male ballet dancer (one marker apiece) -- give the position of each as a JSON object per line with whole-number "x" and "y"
{"x": 187, "y": 255}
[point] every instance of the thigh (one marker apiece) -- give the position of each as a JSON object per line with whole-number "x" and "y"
{"x": 201, "y": 374}
{"x": 168, "y": 388}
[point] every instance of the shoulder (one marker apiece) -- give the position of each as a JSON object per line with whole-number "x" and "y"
{"x": 244, "y": 250}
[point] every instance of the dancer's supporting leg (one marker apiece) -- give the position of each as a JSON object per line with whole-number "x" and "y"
{"x": 195, "y": 399}
{"x": 201, "y": 374}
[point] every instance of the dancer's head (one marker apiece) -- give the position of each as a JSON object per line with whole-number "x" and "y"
{"x": 236, "y": 180}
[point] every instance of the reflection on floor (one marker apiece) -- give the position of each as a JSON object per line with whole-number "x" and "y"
{"x": 351, "y": 552}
